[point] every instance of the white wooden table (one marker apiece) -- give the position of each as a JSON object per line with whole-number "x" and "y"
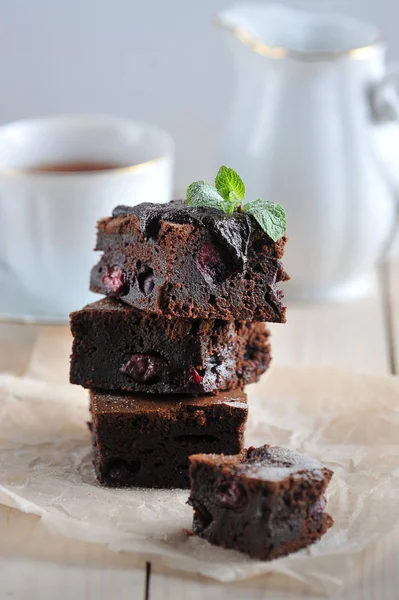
{"x": 362, "y": 335}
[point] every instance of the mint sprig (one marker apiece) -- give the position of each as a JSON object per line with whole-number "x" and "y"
{"x": 270, "y": 216}
{"x": 227, "y": 195}
{"x": 203, "y": 194}
{"x": 230, "y": 186}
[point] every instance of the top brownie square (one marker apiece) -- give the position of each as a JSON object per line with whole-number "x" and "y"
{"x": 183, "y": 261}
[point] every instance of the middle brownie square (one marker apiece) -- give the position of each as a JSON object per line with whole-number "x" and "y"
{"x": 142, "y": 440}
{"x": 117, "y": 347}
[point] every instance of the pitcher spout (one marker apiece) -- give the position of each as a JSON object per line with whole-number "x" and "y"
{"x": 277, "y": 31}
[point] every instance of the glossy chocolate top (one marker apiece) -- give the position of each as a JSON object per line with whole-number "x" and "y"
{"x": 231, "y": 232}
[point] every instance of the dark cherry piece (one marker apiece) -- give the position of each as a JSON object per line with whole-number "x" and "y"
{"x": 230, "y": 494}
{"x": 195, "y": 377}
{"x": 144, "y": 368}
{"x": 210, "y": 263}
{"x": 115, "y": 280}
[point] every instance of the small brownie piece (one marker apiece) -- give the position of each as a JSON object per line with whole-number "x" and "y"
{"x": 117, "y": 347}
{"x": 183, "y": 261}
{"x": 146, "y": 441}
{"x": 266, "y": 501}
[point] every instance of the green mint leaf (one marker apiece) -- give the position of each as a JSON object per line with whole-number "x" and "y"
{"x": 270, "y": 216}
{"x": 202, "y": 194}
{"x": 230, "y": 186}
{"x": 228, "y": 194}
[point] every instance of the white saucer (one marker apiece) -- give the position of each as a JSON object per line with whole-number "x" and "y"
{"x": 17, "y": 306}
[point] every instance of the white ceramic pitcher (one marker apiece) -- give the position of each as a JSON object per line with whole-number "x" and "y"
{"x": 312, "y": 126}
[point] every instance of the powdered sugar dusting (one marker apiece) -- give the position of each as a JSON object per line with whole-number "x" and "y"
{"x": 236, "y": 404}
{"x": 277, "y": 463}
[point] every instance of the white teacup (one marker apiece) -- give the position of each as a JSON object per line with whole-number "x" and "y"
{"x": 48, "y": 217}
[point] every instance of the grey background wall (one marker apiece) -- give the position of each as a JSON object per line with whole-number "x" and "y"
{"x": 157, "y": 60}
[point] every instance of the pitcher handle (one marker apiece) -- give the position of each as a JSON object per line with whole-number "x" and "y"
{"x": 384, "y": 100}
{"x": 384, "y": 106}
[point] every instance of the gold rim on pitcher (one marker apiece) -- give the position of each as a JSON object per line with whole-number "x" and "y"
{"x": 279, "y": 52}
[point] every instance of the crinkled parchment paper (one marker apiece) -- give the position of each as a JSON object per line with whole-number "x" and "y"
{"x": 350, "y": 422}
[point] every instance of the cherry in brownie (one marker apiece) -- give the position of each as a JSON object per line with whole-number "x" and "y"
{"x": 146, "y": 441}
{"x": 267, "y": 501}
{"x": 187, "y": 261}
{"x": 117, "y": 347}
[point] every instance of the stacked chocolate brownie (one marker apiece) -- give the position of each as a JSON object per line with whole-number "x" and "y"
{"x": 168, "y": 351}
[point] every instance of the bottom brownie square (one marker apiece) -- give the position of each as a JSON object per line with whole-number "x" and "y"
{"x": 267, "y": 501}
{"x": 143, "y": 440}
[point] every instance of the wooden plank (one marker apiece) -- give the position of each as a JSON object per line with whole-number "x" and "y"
{"x": 50, "y": 356}
{"x": 41, "y": 352}
{"x": 38, "y": 565}
{"x": 380, "y": 568}
{"x": 16, "y": 346}
{"x": 167, "y": 586}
